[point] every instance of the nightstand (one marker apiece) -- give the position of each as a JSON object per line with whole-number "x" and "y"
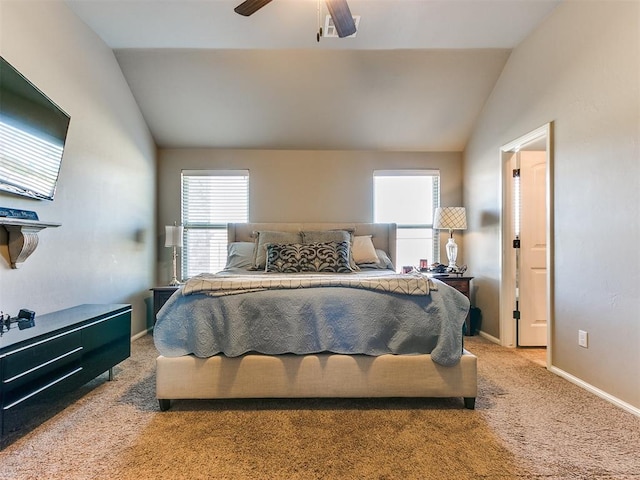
{"x": 160, "y": 296}
{"x": 463, "y": 285}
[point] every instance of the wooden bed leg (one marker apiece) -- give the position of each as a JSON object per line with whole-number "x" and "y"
{"x": 470, "y": 403}
{"x": 165, "y": 404}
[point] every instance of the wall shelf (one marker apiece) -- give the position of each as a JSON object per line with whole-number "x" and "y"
{"x": 22, "y": 237}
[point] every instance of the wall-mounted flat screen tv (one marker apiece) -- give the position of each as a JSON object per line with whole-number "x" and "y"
{"x": 33, "y": 131}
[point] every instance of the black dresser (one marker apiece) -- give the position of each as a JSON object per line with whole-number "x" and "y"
{"x": 63, "y": 351}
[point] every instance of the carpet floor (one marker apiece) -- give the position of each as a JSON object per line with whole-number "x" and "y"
{"x": 528, "y": 424}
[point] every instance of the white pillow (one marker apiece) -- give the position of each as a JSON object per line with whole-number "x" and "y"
{"x": 363, "y": 249}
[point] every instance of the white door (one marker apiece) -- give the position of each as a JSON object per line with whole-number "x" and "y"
{"x": 532, "y": 328}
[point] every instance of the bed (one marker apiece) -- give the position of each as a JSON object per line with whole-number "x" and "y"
{"x": 273, "y": 355}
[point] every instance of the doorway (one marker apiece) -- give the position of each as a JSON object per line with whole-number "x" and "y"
{"x": 526, "y": 296}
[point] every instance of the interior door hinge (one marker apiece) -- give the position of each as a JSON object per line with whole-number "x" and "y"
{"x": 516, "y": 243}
{"x": 516, "y": 314}
{"x": 516, "y": 172}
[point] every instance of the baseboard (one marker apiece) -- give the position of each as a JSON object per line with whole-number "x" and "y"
{"x": 140, "y": 334}
{"x": 491, "y": 338}
{"x": 581, "y": 383}
{"x": 596, "y": 391}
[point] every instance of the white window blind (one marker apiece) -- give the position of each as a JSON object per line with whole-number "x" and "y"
{"x": 210, "y": 200}
{"x": 408, "y": 198}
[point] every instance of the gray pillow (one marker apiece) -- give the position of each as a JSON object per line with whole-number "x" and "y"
{"x": 383, "y": 263}
{"x": 325, "y": 236}
{"x": 240, "y": 255}
{"x": 265, "y": 237}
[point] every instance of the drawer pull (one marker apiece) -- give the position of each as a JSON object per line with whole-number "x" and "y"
{"x": 41, "y": 389}
{"x": 31, "y": 370}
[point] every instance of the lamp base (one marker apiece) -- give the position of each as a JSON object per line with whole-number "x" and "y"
{"x": 174, "y": 281}
{"x": 452, "y": 254}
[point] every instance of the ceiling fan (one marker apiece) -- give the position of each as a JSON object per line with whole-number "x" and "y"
{"x": 338, "y": 9}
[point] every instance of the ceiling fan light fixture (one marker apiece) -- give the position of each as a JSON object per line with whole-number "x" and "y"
{"x": 342, "y": 18}
{"x": 343, "y": 23}
{"x": 330, "y": 30}
{"x": 249, "y": 7}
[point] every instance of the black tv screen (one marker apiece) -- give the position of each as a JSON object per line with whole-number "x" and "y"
{"x": 33, "y": 131}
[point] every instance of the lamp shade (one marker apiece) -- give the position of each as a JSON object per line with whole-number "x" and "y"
{"x": 173, "y": 236}
{"x": 450, "y": 218}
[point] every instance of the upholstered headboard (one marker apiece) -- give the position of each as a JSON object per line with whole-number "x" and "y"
{"x": 383, "y": 235}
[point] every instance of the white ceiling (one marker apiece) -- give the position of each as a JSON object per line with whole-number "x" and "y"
{"x": 415, "y": 76}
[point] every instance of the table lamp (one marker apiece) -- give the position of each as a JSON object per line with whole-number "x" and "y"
{"x": 450, "y": 218}
{"x": 173, "y": 238}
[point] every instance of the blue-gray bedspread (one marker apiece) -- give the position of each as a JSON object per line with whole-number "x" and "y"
{"x": 313, "y": 320}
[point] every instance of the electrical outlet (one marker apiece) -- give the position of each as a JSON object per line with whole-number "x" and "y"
{"x": 583, "y": 339}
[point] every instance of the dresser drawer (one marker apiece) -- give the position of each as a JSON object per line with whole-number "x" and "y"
{"x": 107, "y": 343}
{"x": 461, "y": 285}
{"x": 62, "y": 379}
{"x": 39, "y": 356}
{"x": 39, "y": 367}
{"x": 160, "y": 297}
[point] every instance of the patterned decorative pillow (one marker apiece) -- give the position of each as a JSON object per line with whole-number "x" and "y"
{"x": 326, "y": 236}
{"x": 330, "y": 257}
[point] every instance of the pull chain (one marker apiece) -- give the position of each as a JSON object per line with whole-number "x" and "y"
{"x": 319, "y": 34}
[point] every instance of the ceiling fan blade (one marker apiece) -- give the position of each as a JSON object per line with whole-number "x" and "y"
{"x": 249, "y": 7}
{"x": 342, "y": 18}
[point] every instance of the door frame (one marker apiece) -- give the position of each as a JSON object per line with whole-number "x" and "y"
{"x": 507, "y": 287}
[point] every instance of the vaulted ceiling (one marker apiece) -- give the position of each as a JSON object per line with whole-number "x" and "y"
{"x": 414, "y": 78}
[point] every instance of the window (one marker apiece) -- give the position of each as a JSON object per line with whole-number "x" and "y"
{"x": 408, "y": 198}
{"x": 210, "y": 200}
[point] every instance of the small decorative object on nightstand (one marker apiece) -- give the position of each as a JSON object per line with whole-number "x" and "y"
{"x": 424, "y": 265}
{"x": 460, "y": 270}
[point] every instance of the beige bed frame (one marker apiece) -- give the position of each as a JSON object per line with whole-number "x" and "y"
{"x": 317, "y": 375}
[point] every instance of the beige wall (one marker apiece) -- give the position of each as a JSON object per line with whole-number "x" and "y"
{"x": 104, "y": 250}
{"x": 581, "y": 71}
{"x": 294, "y": 186}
